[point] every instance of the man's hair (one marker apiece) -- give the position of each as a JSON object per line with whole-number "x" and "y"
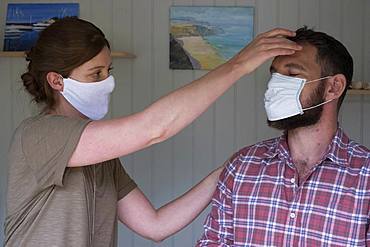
{"x": 332, "y": 56}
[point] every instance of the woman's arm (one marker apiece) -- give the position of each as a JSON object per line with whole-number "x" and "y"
{"x": 108, "y": 139}
{"x": 135, "y": 211}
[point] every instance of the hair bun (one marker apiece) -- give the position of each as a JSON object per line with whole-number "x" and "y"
{"x": 29, "y": 55}
{"x": 32, "y": 86}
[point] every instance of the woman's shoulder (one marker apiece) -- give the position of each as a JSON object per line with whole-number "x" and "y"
{"x": 47, "y": 128}
{"x": 42, "y": 119}
{"x": 24, "y": 124}
{"x": 49, "y": 122}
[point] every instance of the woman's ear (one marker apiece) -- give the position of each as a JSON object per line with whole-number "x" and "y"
{"x": 336, "y": 86}
{"x": 55, "y": 81}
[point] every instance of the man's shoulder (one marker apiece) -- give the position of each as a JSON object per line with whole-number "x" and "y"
{"x": 256, "y": 152}
{"x": 359, "y": 155}
{"x": 358, "y": 149}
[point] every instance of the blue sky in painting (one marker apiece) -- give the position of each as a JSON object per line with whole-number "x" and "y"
{"x": 23, "y": 13}
{"x": 233, "y": 16}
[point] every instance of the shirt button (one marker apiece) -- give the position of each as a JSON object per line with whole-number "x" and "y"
{"x": 292, "y": 215}
{"x": 292, "y": 180}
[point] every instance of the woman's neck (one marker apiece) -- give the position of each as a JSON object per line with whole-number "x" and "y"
{"x": 64, "y": 108}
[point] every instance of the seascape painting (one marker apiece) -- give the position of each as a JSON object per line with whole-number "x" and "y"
{"x": 201, "y": 38}
{"x": 24, "y": 22}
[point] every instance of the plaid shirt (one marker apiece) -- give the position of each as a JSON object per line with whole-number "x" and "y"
{"x": 258, "y": 202}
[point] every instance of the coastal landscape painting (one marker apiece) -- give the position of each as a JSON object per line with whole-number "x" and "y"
{"x": 24, "y": 22}
{"x": 201, "y": 38}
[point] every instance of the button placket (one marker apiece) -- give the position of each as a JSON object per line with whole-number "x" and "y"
{"x": 294, "y": 206}
{"x": 292, "y": 215}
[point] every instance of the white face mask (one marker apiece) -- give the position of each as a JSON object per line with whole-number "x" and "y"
{"x": 282, "y": 96}
{"x": 89, "y": 98}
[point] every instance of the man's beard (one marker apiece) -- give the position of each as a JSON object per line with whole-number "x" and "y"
{"x": 309, "y": 117}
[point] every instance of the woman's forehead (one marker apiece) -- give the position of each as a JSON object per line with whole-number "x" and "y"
{"x": 102, "y": 59}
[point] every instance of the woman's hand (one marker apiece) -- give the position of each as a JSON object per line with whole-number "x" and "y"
{"x": 265, "y": 46}
{"x": 215, "y": 174}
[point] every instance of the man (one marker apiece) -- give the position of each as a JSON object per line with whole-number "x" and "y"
{"x": 311, "y": 186}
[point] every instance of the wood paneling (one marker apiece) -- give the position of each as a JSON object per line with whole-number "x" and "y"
{"x": 167, "y": 170}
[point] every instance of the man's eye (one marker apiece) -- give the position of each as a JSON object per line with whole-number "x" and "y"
{"x": 110, "y": 70}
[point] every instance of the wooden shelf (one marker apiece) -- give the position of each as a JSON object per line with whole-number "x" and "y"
{"x": 12, "y": 54}
{"x": 122, "y": 54}
{"x": 358, "y": 92}
{"x": 118, "y": 54}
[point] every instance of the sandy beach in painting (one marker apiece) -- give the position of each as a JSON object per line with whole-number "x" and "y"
{"x": 202, "y": 51}
{"x": 204, "y": 37}
{"x": 197, "y": 48}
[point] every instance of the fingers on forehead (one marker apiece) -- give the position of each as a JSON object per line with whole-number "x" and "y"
{"x": 280, "y": 32}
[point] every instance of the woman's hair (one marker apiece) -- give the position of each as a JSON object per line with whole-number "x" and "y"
{"x": 61, "y": 47}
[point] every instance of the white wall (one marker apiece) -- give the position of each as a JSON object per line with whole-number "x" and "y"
{"x": 237, "y": 119}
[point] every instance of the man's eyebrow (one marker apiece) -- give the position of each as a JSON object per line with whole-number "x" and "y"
{"x": 289, "y": 66}
{"x": 295, "y": 66}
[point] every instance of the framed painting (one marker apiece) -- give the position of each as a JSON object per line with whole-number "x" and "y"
{"x": 201, "y": 38}
{"x": 24, "y": 22}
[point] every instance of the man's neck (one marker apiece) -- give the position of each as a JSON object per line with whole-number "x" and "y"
{"x": 308, "y": 145}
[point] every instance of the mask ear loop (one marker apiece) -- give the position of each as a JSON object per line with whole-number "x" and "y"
{"x": 326, "y": 77}
{"x": 62, "y": 78}
{"x": 323, "y": 103}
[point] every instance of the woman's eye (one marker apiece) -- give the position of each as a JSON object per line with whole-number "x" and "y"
{"x": 96, "y": 76}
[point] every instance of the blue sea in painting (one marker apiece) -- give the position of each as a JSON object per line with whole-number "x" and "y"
{"x": 24, "y": 22}
{"x": 234, "y": 25}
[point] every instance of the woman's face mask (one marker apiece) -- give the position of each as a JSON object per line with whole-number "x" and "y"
{"x": 282, "y": 96}
{"x": 89, "y": 98}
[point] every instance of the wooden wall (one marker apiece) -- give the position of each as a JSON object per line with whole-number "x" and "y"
{"x": 235, "y": 120}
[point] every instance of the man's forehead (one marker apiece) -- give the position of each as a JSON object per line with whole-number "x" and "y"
{"x": 302, "y": 60}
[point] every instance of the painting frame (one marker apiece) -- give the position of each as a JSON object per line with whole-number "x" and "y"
{"x": 24, "y": 22}
{"x": 203, "y": 37}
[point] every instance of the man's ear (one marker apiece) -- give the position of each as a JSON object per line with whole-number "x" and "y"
{"x": 336, "y": 86}
{"x": 55, "y": 81}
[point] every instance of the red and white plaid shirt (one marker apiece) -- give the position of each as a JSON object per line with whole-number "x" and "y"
{"x": 258, "y": 201}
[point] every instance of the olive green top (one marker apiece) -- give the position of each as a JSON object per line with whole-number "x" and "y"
{"x": 50, "y": 204}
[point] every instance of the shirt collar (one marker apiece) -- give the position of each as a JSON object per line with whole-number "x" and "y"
{"x": 336, "y": 151}
{"x": 338, "y": 148}
{"x": 279, "y": 147}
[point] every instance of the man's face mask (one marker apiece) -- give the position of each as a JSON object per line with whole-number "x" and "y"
{"x": 282, "y": 96}
{"x": 92, "y": 98}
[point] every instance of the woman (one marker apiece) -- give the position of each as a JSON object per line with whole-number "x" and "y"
{"x": 66, "y": 185}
